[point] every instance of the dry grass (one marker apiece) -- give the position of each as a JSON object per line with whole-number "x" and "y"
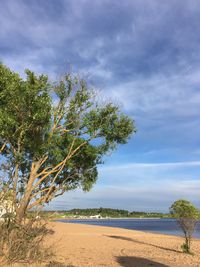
{"x": 24, "y": 243}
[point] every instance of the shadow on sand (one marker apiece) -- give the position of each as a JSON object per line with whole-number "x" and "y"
{"x": 141, "y": 242}
{"x": 126, "y": 261}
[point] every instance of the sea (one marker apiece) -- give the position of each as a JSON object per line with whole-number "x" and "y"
{"x": 162, "y": 226}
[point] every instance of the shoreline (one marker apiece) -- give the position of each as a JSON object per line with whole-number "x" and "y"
{"x": 134, "y": 230}
{"x": 118, "y": 218}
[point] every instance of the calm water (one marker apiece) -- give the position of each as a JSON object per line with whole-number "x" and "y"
{"x": 164, "y": 226}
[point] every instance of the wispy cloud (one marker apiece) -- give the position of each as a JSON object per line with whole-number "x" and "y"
{"x": 167, "y": 165}
{"x": 152, "y": 197}
{"x": 161, "y": 96}
{"x": 138, "y": 186}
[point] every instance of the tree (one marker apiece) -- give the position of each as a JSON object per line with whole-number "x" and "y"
{"x": 53, "y": 136}
{"x": 187, "y": 216}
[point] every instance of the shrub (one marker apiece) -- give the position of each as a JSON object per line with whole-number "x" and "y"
{"x": 187, "y": 216}
{"x": 23, "y": 243}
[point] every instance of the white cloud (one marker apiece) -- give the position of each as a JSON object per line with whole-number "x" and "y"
{"x": 143, "y": 174}
{"x": 149, "y": 198}
{"x": 137, "y": 186}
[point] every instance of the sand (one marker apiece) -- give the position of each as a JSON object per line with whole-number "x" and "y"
{"x": 85, "y": 245}
{"x": 77, "y": 245}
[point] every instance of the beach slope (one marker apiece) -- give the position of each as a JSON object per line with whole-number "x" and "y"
{"x": 85, "y": 245}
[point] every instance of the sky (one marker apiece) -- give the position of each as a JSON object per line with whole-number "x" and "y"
{"x": 144, "y": 56}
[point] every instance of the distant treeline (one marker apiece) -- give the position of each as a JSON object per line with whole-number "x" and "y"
{"x": 107, "y": 212}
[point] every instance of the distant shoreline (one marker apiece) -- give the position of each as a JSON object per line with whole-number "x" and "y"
{"x": 114, "y": 218}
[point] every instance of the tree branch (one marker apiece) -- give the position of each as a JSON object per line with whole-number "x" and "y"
{"x": 2, "y": 148}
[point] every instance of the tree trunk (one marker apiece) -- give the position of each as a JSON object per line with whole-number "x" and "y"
{"x": 187, "y": 242}
{"x": 22, "y": 209}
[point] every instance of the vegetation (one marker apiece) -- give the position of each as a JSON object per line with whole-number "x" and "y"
{"x": 53, "y": 136}
{"x": 104, "y": 212}
{"x": 24, "y": 243}
{"x": 187, "y": 216}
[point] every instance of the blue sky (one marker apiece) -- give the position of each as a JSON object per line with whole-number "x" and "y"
{"x": 145, "y": 56}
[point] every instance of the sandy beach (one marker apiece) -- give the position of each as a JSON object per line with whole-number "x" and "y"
{"x": 79, "y": 245}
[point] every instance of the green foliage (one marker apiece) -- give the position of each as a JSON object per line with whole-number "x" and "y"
{"x": 25, "y": 113}
{"x": 184, "y": 209}
{"x": 104, "y": 212}
{"x": 113, "y": 213}
{"x": 60, "y": 129}
{"x": 187, "y": 216}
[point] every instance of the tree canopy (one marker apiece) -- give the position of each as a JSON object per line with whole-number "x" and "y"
{"x": 53, "y": 135}
{"x": 184, "y": 209}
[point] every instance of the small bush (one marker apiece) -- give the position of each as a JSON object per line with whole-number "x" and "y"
{"x": 186, "y": 249}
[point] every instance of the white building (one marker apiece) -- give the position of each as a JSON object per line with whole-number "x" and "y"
{"x": 98, "y": 216}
